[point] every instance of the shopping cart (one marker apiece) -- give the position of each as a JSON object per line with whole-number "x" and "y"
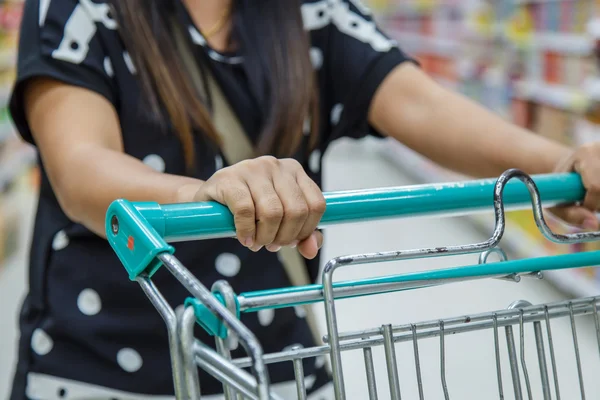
{"x": 140, "y": 232}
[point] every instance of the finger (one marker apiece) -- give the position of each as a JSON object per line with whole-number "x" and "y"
{"x": 591, "y": 201}
{"x": 295, "y": 209}
{"x": 577, "y": 216}
{"x": 309, "y": 248}
{"x": 269, "y": 210}
{"x": 237, "y": 197}
{"x": 590, "y": 175}
{"x": 316, "y": 204}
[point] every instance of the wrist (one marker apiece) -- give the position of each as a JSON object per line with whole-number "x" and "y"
{"x": 187, "y": 193}
{"x": 552, "y": 158}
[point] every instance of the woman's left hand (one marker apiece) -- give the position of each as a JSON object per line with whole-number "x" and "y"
{"x": 585, "y": 160}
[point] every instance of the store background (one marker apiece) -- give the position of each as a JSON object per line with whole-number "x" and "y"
{"x": 531, "y": 61}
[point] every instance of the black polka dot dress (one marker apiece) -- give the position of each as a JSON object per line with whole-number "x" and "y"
{"x": 86, "y": 330}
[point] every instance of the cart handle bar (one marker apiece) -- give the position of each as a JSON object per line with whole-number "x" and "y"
{"x": 138, "y": 232}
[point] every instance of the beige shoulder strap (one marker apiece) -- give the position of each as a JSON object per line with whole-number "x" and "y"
{"x": 237, "y": 147}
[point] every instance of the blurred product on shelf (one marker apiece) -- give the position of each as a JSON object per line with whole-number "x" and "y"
{"x": 535, "y": 62}
{"x": 17, "y": 159}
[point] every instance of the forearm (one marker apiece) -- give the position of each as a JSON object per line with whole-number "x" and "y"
{"x": 468, "y": 138}
{"x": 88, "y": 188}
{"x": 79, "y": 138}
{"x": 461, "y": 135}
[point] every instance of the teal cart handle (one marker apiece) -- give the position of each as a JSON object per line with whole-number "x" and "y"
{"x": 139, "y": 232}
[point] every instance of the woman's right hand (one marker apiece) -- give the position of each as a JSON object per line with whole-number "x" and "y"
{"x": 273, "y": 201}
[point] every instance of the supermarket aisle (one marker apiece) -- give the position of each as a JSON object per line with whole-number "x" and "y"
{"x": 470, "y": 362}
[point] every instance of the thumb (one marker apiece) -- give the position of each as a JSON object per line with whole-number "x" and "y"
{"x": 578, "y": 216}
{"x": 309, "y": 247}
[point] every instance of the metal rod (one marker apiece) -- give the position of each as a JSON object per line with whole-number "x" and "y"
{"x": 514, "y": 367}
{"x": 299, "y": 374}
{"x": 370, "y": 371}
{"x": 373, "y": 339}
{"x": 539, "y": 340}
{"x": 597, "y": 324}
{"x": 523, "y": 362}
{"x": 390, "y": 360}
{"x": 552, "y": 355}
{"x": 187, "y": 322}
{"x": 534, "y": 313}
{"x": 168, "y": 315}
{"x": 577, "y": 355}
{"x": 250, "y": 302}
{"x": 497, "y": 351}
{"x": 417, "y": 361}
{"x": 249, "y": 341}
{"x": 223, "y": 345}
{"x": 443, "y": 361}
{"x": 332, "y": 330}
{"x": 214, "y": 363}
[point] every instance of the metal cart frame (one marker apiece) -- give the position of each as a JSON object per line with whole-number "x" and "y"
{"x": 140, "y": 232}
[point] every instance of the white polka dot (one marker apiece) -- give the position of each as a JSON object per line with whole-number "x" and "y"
{"x": 218, "y": 162}
{"x": 310, "y": 381}
{"x": 292, "y": 347}
{"x": 265, "y": 317}
{"x": 108, "y": 67}
{"x": 41, "y": 343}
{"x": 129, "y": 63}
{"x": 60, "y": 241}
{"x": 155, "y": 162}
{"x": 336, "y": 113}
{"x": 129, "y": 359}
{"x": 228, "y": 264}
{"x": 300, "y": 311}
{"x": 316, "y": 57}
{"x": 89, "y": 302}
{"x": 314, "y": 161}
{"x": 320, "y": 362}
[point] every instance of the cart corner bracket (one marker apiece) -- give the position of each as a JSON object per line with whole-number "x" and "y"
{"x": 135, "y": 241}
{"x": 210, "y": 322}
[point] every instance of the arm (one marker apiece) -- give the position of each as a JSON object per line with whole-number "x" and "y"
{"x": 78, "y": 135}
{"x": 77, "y": 132}
{"x": 463, "y": 136}
{"x": 455, "y": 132}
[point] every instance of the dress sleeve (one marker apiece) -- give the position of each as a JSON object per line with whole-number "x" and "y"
{"x": 60, "y": 39}
{"x": 357, "y": 59}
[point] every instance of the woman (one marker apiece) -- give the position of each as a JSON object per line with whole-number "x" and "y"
{"x": 110, "y": 105}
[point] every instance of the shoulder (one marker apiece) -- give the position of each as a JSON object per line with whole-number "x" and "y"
{"x": 55, "y": 14}
{"x": 352, "y": 22}
{"x": 317, "y": 13}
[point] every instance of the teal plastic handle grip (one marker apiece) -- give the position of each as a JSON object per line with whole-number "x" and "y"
{"x": 140, "y": 231}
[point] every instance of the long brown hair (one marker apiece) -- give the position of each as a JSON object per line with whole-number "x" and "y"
{"x": 276, "y": 59}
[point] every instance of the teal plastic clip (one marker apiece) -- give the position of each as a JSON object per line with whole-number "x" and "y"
{"x": 134, "y": 240}
{"x": 209, "y": 321}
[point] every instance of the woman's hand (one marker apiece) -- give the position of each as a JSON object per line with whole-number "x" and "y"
{"x": 274, "y": 203}
{"x": 586, "y": 161}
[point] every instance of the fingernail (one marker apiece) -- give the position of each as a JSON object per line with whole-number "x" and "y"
{"x": 256, "y": 249}
{"x": 273, "y": 248}
{"x": 248, "y": 242}
{"x": 294, "y": 244}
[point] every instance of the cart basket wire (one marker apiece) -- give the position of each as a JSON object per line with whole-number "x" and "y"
{"x": 140, "y": 234}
